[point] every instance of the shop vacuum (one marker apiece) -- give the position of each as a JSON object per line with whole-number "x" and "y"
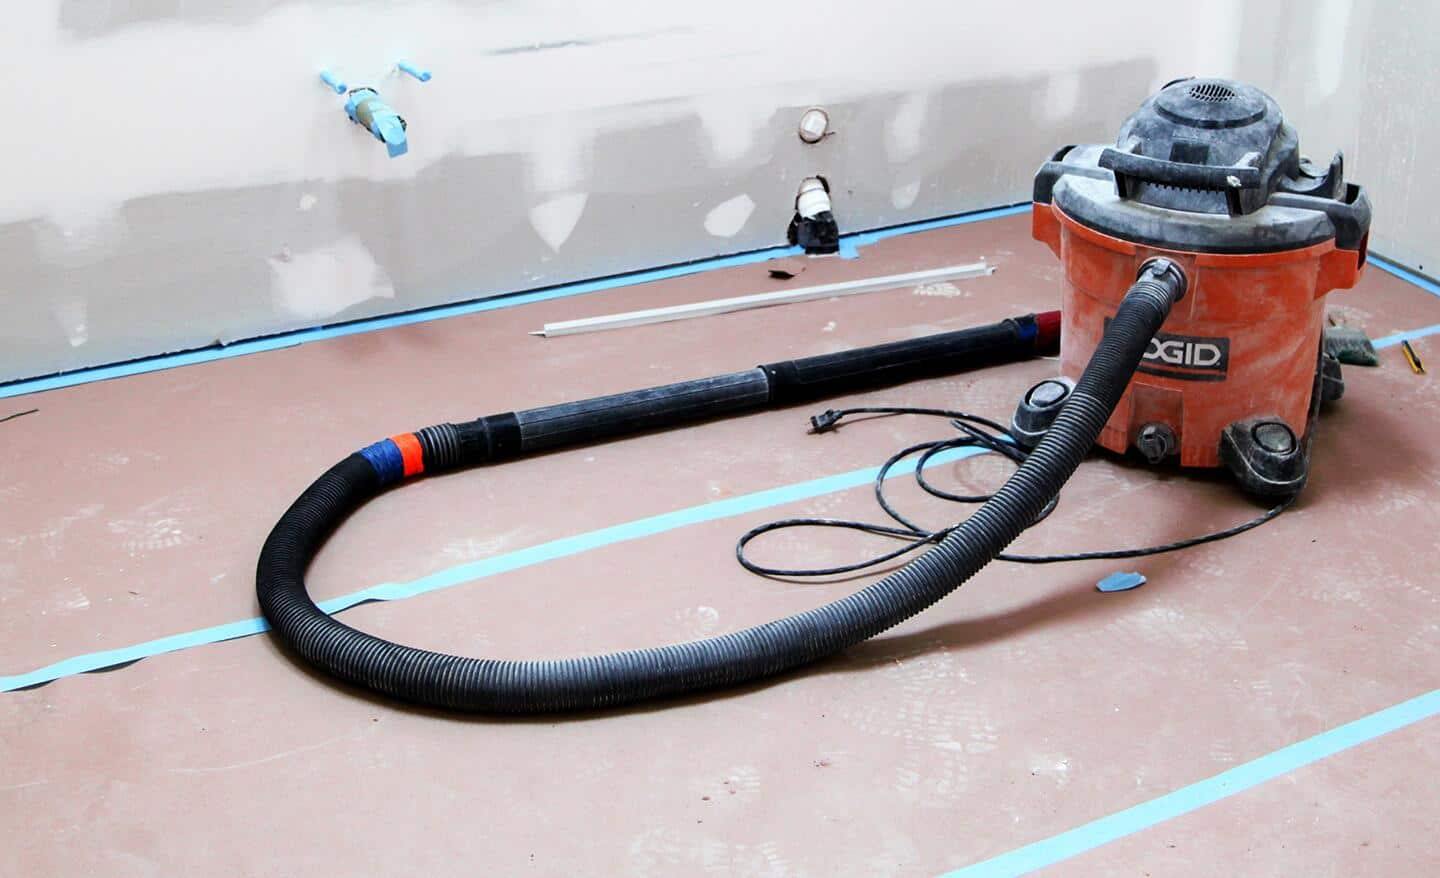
{"x": 1197, "y": 253}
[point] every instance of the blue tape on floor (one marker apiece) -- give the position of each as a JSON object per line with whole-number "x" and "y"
{"x": 1186, "y": 799}
{"x": 1404, "y": 274}
{"x": 849, "y": 245}
{"x": 463, "y": 573}
{"x": 1408, "y": 335}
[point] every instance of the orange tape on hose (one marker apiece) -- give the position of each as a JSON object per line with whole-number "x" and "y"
{"x": 411, "y": 453}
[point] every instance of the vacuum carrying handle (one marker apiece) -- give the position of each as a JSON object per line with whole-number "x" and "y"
{"x": 1216, "y": 178}
{"x": 1130, "y": 167}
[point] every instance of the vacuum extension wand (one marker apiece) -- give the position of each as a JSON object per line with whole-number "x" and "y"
{"x": 592, "y": 682}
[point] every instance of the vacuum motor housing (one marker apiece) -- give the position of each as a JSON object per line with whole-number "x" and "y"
{"x": 1208, "y": 174}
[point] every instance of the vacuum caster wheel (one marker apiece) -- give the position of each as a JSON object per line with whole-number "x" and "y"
{"x": 1038, "y": 408}
{"x": 1266, "y": 457}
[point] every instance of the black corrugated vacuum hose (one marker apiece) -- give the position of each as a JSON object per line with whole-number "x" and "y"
{"x": 602, "y": 681}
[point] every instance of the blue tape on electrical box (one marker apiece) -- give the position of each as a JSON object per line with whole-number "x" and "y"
{"x": 419, "y": 73}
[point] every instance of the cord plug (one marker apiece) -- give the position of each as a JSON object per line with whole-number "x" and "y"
{"x": 825, "y": 421}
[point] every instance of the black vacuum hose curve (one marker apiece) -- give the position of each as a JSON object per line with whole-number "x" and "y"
{"x": 601, "y": 681}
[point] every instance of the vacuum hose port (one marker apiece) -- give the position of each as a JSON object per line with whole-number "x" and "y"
{"x": 1163, "y": 270}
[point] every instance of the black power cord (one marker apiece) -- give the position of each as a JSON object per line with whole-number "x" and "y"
{"x": 975, "y": 432}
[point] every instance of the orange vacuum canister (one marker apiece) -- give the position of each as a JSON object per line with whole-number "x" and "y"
{"x": 1206, "y": 173}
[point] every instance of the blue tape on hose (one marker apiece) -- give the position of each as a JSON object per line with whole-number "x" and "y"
{"x": 385, "y": 456}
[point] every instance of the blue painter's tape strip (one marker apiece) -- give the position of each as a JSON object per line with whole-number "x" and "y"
{"x": 1197, "y": 795}
{"x": 1408, "y": 335}
{"x": 1404, "y": 273}
{"x": 849, "y": 245}
{"x": 453, "y": 576}
{"x": 111, "y": 658}
{"x": 385, "y": 456}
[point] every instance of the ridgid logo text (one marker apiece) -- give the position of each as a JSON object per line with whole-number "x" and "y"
{"x": 1188, "y": 357}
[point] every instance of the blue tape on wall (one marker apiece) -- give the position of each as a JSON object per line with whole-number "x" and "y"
{"x": 454, "y": 576}
{"x": 849, "y": 245}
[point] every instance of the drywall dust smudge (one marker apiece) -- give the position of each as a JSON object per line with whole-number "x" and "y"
{"x": 321, "y": 283}
{"x": 904, "y": 194}
{"x": 1061, "y": 96}
{"x": 942, "y": 290}
{"x": 71, "y": 313}
{"x": 140, "y": 537}
{"x": 904, "y": 136}
{"x": 727, "y": 218}
{"x": 555, "y": 220}
{"x": 696, "y": 622}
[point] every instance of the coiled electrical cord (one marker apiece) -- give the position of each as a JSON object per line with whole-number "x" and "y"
{"x": 975, "y": 432}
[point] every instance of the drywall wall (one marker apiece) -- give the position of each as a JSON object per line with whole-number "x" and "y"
{"x": 175, "y": 175}
{"x": 1394, "y": 138}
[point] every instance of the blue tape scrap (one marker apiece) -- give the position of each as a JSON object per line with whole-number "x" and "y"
{"x": 1120, "y": 582}
{"x": 453, "y": 576}
{"x": 849, "y": 249}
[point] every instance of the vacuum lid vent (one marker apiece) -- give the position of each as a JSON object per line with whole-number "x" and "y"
{"x": 1212, "y": 103}
{"x": 1211, "y": 91}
